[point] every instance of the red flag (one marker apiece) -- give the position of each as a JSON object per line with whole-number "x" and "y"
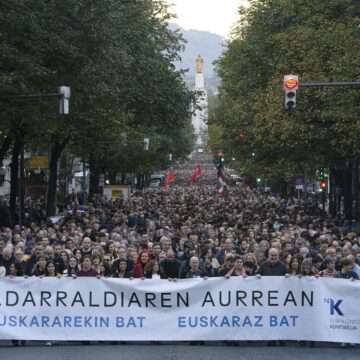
{"x": 197, "y": 174}
{"x": 169, "y": 178}
{"x": 197, "y": 171}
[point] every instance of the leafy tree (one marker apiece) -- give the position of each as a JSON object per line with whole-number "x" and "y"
{"x": 318, "y": 41}
{"x": 117, "y": 58}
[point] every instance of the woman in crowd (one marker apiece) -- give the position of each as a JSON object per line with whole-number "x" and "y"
{"x": 307, "y": 268}
{"x": 251, "y": 257}
{"x": 40, "y": 266}
{"x": 78, "y": 256}
{"x": 65, "y": 258}
{"x": 123, "y": 271}
{"x": 227, "y": 265}
{"x": 329, "y": 271}
{"x": 50, "y": 269}
{"x": 153, "y": 270}
{"x": 110, "y": 249}
{"x": 16, "y": 269}
{"x": 96, "y": 261}
{"x": 105, "y": 269}
{"x": 295, "y": 265}
{"x": 209, "y": 253}
{"x": 72, "y": 267}
{"x": 210, "y": 261}
{"x": 143, "y": 259}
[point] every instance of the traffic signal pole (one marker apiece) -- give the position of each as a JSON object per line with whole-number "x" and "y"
{"x": 63, "y": 95}
{"x": 327, "y": 84}
{"x": 290, "y": 85}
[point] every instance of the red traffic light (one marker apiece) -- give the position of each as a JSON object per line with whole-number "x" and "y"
{"x": 323, "y": 185}
{"x": 291, "y": 82}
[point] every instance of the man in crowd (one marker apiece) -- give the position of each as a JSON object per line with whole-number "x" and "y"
{"x": 171, "y": 266}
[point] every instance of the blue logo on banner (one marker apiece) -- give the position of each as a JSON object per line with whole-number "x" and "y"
{"x": 334, "y": 306}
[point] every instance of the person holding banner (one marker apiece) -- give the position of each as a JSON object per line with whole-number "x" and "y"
{"x": 227, "y": 266}
{"x": 153, "y": 270}
{"x": 346, "y": 271}
{"x": 249, "y": 268}
{"x": 272, "y": 267}
{"x": 295, "y": 265}
{"x": 40, "y": 266}
{"x": 195, "y": 271}
{"x": 123, "y": 270}
{"x": 105, "y": 269}
{"x": 72, "y": 267}
{"x": 237, "y": 269}
{"x": 329, "y": 271}
{"x": 86, "y": 269}
{"x": 16, "y": 269}
{"x": 50, "y": 270}
{"x": 139, "y": 271}
{"x": 171, "y": 266}
{"x": 307, "y": 268}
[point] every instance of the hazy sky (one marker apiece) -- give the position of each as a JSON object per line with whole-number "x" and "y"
{"x": 215, "y": 16}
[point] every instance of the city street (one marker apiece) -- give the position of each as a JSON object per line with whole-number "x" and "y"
{"x": 180, "y": 180}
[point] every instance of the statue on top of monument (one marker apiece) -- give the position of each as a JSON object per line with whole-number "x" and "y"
{"x": 199, "y": 64}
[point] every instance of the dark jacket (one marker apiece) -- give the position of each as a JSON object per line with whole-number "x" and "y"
{"x": 269, "y": 269}
{"x": 170, "y": 268}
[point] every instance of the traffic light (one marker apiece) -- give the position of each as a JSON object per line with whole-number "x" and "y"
{"x": 291, "y": 84}
{"x": 323, "y": 185}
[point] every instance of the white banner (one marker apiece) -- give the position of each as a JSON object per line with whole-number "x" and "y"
{"x": 270, "y": 308}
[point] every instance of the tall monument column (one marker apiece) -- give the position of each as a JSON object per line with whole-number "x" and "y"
{"x": 199, "y": 117}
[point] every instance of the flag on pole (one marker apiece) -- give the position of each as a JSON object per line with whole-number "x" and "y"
{"x": 222, "y": 185}
{"x": 169, "y": 179}
{"x": 196, "y": 175}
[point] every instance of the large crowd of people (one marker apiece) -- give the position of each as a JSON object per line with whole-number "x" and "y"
{"x": 184, "y": 232}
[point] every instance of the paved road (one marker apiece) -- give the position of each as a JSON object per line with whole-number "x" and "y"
{"x": 136, "y": 351}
